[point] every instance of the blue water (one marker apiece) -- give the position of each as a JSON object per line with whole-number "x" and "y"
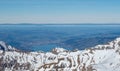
{"x": 46, "y": 37}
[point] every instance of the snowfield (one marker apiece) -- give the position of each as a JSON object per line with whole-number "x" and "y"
{"x": 98, "y": 58}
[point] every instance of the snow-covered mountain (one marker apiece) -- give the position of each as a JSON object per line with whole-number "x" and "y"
{"x": 98, "y": 58}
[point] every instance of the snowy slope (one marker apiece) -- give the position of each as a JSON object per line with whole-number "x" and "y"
{"x": 98, "y": 58}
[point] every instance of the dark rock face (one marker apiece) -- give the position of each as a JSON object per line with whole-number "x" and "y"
{"x": 2, "y": 48}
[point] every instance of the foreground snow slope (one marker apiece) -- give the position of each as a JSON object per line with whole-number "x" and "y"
{"x": 98, "y": 58}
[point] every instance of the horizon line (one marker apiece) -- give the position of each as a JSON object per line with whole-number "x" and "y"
{"x": 59, "y": 23}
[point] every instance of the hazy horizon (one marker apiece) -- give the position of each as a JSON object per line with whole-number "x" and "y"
{"x": 63, "y": 11}
{"x": 64, "y": 23}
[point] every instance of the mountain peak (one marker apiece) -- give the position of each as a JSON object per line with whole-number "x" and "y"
{"x": 5, "y": 47}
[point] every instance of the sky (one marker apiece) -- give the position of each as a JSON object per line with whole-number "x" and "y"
{"x": 59, "y": 11}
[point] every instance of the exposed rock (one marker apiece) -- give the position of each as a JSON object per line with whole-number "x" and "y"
{"x": 98, "y": 58}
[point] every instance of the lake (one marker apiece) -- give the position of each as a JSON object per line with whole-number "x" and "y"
{"x": 45, "y": 37}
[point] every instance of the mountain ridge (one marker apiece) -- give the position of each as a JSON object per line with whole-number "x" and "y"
{"x": 99, "y": 58}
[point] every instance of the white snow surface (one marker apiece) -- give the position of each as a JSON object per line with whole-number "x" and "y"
{"x": 98, "y": 58}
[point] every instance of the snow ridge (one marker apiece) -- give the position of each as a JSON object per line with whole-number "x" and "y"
{"x": 98, "y": 58}
{"x": 5, "y": 47}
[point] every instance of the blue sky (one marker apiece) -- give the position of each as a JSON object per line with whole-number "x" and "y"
{"x": 59, "y": 11}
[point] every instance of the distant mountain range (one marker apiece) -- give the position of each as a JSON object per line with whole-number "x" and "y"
{"x": 99, "y": 58}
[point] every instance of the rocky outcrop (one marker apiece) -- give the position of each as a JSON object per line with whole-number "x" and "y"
{"x": 5, "y": 47}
